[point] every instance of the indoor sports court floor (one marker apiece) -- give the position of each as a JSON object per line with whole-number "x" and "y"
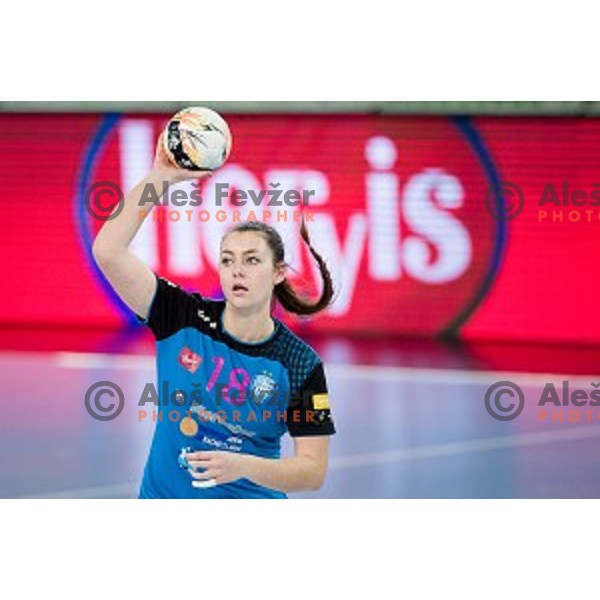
{"x": 411, "y": 419}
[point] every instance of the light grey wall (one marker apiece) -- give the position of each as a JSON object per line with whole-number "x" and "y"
{"x": 453, "y": 107}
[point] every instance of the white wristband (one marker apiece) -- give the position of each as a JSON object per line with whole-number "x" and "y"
{"x": 209, "y": 483}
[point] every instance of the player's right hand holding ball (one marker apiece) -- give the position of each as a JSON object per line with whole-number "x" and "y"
{"x": 169, "y": 172}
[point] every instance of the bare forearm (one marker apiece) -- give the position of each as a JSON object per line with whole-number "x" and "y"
{"x": 117, "y": 234}
{"x": 287, "y": 474}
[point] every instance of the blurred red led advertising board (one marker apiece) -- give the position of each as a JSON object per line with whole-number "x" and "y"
{"x": 400, "y": 208}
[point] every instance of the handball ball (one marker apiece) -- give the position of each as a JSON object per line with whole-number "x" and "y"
{"x": 198, "y": 139}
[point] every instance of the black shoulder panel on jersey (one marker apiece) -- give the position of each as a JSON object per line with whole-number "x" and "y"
{"x": 173, "y": 309}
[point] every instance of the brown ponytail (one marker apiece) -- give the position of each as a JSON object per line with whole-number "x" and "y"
{"x": 287, "y": 296}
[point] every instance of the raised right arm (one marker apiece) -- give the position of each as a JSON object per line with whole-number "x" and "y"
{"x": 130, "y": 277}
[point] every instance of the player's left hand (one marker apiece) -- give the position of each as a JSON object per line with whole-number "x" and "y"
{"x": 221, "y": 467}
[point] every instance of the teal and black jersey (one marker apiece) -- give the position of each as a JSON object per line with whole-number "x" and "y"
{"x": 216, "y": 392}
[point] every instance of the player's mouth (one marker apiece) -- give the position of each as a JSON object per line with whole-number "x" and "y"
{"x": 239, "y": 289}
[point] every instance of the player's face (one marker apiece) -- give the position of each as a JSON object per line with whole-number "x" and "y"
{"x": 246, "y": 269}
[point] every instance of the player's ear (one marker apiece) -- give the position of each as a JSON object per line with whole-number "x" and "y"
{"x": 280, "y": 273}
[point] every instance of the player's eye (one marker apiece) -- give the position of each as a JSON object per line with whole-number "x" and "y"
{"x": 225, "y": 261}
{"x": 253, "y": 260}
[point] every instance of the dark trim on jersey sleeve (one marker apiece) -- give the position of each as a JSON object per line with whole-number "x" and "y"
{"x": 172, "y": 309}
{"x": 309, "y": 413}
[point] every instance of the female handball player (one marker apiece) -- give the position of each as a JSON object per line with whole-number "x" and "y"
{"x": 241, "y": 378}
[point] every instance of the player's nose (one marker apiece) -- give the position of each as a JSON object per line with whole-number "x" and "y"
{"x": 238, "y": 271}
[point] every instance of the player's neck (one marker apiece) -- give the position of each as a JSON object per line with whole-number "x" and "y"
{"x": 249, "y": 327}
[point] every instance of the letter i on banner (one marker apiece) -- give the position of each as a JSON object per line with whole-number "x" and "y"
{"x": 383, "y": 202}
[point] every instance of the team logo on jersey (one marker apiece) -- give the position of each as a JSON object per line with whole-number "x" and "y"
{"x": 189, "y": 360}
{"x": 263, "y": 387}
{"x": 189, "y": 427}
